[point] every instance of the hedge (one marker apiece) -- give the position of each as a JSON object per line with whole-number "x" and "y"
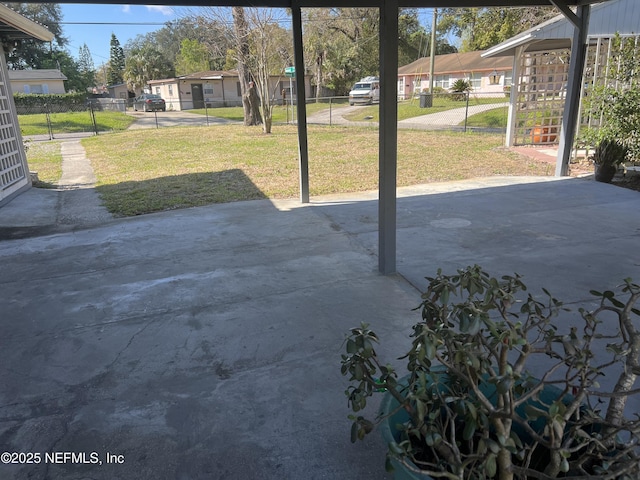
{"x": 49, "y": 102}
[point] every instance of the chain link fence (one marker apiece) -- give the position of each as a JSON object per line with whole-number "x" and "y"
{"x": 49, "y": 121}
{"x": 441, "y": 111}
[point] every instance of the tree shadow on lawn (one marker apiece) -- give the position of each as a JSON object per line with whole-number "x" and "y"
{"x": 178, "y": 191}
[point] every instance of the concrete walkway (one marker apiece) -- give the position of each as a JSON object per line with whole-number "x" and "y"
{"x": 79, "y": 201}
{"x": 449, "y": 117}
{"x": 433, "y": 121}
{"x": 74, "y": 204}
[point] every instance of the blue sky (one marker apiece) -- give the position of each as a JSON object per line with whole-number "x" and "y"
{"x": 98, "y": 37}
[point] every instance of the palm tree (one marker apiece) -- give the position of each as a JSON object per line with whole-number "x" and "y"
{"x": 145, "y": 64}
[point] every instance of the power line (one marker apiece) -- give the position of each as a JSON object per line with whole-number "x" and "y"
{"x": 113, "y": 23}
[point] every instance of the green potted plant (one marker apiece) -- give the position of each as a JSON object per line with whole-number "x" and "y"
{"x": 607, "y": 157}
{"x": 496, "y": 390}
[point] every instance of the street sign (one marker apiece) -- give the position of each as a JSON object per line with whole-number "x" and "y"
{"x": 290, "y": 71}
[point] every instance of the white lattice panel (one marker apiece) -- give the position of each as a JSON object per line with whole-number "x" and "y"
{"x": 13, "y": 165}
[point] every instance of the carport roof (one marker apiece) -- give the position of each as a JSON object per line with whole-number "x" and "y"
{"x": 14, "y": 26}
{"x": 614, "y": 16}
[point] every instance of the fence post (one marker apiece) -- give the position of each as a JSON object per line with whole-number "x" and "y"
{"x": 330, "y": 109}
{"x": 466, "y": 112}
{"x": 48, "y": 118}
{"x": 93, "y": 118}
{"x": 155, "y": 112}
{"x": 206, "y": 112}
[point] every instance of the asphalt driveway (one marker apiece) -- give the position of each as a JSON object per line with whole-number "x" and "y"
{"x": 173, "y": 119}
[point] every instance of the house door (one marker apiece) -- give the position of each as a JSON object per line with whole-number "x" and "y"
{"x": 197, "y": 96}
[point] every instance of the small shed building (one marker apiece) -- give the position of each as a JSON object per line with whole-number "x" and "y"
{"x": 215, "y": 89}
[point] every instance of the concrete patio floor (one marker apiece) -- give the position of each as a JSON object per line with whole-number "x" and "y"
{"x": 205, "y": 343}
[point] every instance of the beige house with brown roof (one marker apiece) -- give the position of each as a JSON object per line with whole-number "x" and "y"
{"x": 37, "y": 81}
{"x": 486, "y": 75}
{"x": 214, "y": 88}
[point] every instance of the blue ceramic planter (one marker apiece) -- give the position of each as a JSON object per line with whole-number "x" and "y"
{"x": 391, "y": 434}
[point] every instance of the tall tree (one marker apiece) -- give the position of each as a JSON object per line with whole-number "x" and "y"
{"x": 144, "y": 64}
{"x": 86, "y": 66}
{"x": 116, "y": 62}
{"x": 269, "y": 56}
{"x": 61, "y": 60}
{"x": 250, "y": 99}
{"x": 482, "y": 28}
{"x": 316, "y": 42}
{"x": 354, "y": 50}
{"x": 215, "y": 35}
{"x": 33, "y": 53}
{"x": 193, "y": 57}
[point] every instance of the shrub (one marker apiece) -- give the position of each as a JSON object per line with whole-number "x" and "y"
{"x": 27, "y": 103}
{"x": 613, "y": 103}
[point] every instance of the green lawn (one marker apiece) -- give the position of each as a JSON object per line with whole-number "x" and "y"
{"x": 74, "y": 122}
{"x": 281, "y": 114}
{"x": 45, "y": 159}
{"x": 495, "y": 118}
{"x": 411, "y": 108}
{"x": 189, "y": 166}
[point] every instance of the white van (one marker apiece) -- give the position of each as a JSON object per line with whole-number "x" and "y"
{"x": 365, "y": 92}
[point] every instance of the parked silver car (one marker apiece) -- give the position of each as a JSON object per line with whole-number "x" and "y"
{"x": 148, "y": 102}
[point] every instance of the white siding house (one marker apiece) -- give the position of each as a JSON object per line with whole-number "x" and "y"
{"x": 213, "y": 89}
{"x": 486, "y": 75}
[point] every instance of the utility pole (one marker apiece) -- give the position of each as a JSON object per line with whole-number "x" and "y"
{"x": 432, "y": 60}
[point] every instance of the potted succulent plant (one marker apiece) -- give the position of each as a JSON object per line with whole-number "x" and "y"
{"x": 607, "y": 157}
{"x": 496, "y": 390}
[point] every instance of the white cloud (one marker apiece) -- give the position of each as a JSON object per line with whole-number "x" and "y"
{"x": 163, "y": 9}
{"x": 126, "y": 8}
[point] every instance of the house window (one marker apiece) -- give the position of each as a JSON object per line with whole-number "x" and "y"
{"x": 508, "y": 78}
{"x": 207, "y": 88}
{"x": 475, "y": 79}
{"x": 157, "y": 90}
{"x": 494, "y": 78}
{"x": 441, "y": 81}
{"x": 170, "y": 90}
{"x": 44, "y": 88}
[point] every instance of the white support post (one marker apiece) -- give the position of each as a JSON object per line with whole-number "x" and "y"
{"x": 513, "y": 97}
{"x": 574, "y": 87}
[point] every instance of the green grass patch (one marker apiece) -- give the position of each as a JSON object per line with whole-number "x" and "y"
{"x": 411, "y": 108}
{"x": 281, "y": 114}
{"x": 45, "y": 159}
{"x": 74, "y": 122}
{"x": 191, "y": 166}
{"x": 495, "y": 118}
